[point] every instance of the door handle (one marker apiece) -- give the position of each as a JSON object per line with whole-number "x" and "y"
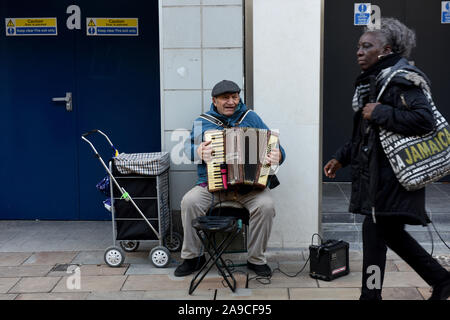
{"x": 67, "y": 99}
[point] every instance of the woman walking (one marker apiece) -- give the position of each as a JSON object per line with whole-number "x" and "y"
{"x": 376, "y": 193}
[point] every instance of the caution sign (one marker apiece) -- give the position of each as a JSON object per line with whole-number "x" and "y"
{"x": 31, "y": 27}
{"x": 112, "y": 27}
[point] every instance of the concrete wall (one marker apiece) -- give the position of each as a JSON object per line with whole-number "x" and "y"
{"x": 287, "y": 95}
{"x": 202, "y": 43}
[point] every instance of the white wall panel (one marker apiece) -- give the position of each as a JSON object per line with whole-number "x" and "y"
{"x": 287, "y": 95}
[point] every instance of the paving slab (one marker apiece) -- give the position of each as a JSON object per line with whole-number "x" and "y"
{"x": 7, "y": 283}
{"x": 6, "y": 235}
{"x": 63, "y": 270}
{"x": 10, "y": 259}
{"x": 217, "y": 282}
{"x": 335, "y": 205}
{"x": 139, "y": 257}
{"x": 292, "y": 268}
{"x": 169, "y": 282}
{"x": 83, "y": 245}
{"x": 53, "y": 296}
{"x": 102, "y": 270}
{"x": 425, "y": 292}
{"x": 391, "y": 266}
{"x": 444, "y": 187}
{"x": 34, "y": 284}
{"x": 352, "y": 280}
{"x": 92, "y": 284}
{"x": 198, "y": 294}
{"x": 403, "y": 266}
{"x": 355, "y": 255}
{"x": 50, "y": 258}
{"x": 332, "y": 190}
{"x": 403, "y": 279}
{"x": 7, "y": 296}
{"x": 274, "y": 256}
{"x": 253, "y": 294}
{"x": 148, "y": 269}
{"x": 26, "y": 245}
{"x": 279, "y": 280}
{"x": 119, "y": 295}
{"x": 90, "y": 257}
{"x": 155, "y": 282}
{"x": 401, "y": 294}
{"x": 324, "y": 293}
{"x": 24, "y": 271}
{"x": 88, "y": 270}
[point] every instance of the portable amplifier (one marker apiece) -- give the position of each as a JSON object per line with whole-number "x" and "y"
{"x": 329, "y": 260}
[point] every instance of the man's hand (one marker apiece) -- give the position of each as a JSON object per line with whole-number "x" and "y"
{"x": 331, "y": 167}
{"x": 368, "y": 109}
{"x": 204, "y": 151}
{"x": 273, "y": 157}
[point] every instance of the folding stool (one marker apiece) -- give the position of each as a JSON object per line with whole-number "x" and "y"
{"x": 206, "y": 228}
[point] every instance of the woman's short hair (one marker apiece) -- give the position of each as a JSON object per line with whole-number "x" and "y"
{"x": 391, "y": 31}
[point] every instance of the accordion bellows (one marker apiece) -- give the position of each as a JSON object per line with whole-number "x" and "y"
{"x": 242, "y": 151}
{"x": 147, "y": 164}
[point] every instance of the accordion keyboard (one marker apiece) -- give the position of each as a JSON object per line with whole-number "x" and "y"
{"x": 215, "y": 181}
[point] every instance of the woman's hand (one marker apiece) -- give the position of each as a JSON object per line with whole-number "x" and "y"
{"x": 368, "y": 109}
{"x": 204, "y": 151}
{"x": 331, "y": 167}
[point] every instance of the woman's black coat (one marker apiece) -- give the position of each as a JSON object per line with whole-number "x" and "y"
{"x": 373, "y": 181}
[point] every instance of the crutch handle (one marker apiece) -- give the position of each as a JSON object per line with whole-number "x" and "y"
{"x": 90, "y": 132}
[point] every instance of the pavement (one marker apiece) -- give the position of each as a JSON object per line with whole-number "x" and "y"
{"x": 64, "y": 260}
{"x": 54, "y": 260}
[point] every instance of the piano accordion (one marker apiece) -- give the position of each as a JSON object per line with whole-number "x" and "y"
{"x": 239, "y": 154}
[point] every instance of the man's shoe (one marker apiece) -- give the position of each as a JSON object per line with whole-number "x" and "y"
{"x": 262, "y": 270}
{"x": 441, "y": 291}
{"x": 189, "y": 266}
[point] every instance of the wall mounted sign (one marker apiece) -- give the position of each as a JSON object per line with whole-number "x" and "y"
{"x": 362, "y": 13}
{"x": 31, "y": 27}
{"x": 445, "y": 17}
{"x": 112, "y": 27}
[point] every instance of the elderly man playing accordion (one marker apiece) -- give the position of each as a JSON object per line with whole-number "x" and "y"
{"x": 228, "y": 108}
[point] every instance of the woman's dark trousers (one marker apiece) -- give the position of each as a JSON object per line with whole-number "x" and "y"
{"x": 376, "y": 238}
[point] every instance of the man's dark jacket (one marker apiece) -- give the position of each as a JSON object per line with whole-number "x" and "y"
{"x": 374, "y": 184}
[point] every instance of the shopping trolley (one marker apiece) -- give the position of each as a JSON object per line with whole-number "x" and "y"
{"x": 139, "y": 204}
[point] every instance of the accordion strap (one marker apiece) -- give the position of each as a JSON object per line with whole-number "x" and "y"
{"x": 212, "y": 119}
{"x": 241, "y": 118}
{"x": 219, "y": 123}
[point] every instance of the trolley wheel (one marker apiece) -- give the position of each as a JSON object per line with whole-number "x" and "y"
{"x": 114, "y": 257}
{"x": 173, "y": 242}
{"x": 129, "y": 246}
{"x": 160, "y": 256}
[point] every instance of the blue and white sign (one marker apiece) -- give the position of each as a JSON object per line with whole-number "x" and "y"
{"x": 362, "y": 13}
{"x": 445, "y": 17}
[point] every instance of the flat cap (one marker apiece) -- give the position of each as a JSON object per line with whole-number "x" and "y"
{"x": 225, "y": 86}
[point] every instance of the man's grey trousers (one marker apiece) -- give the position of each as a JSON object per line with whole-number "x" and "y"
{"x": 259, "y": 203}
